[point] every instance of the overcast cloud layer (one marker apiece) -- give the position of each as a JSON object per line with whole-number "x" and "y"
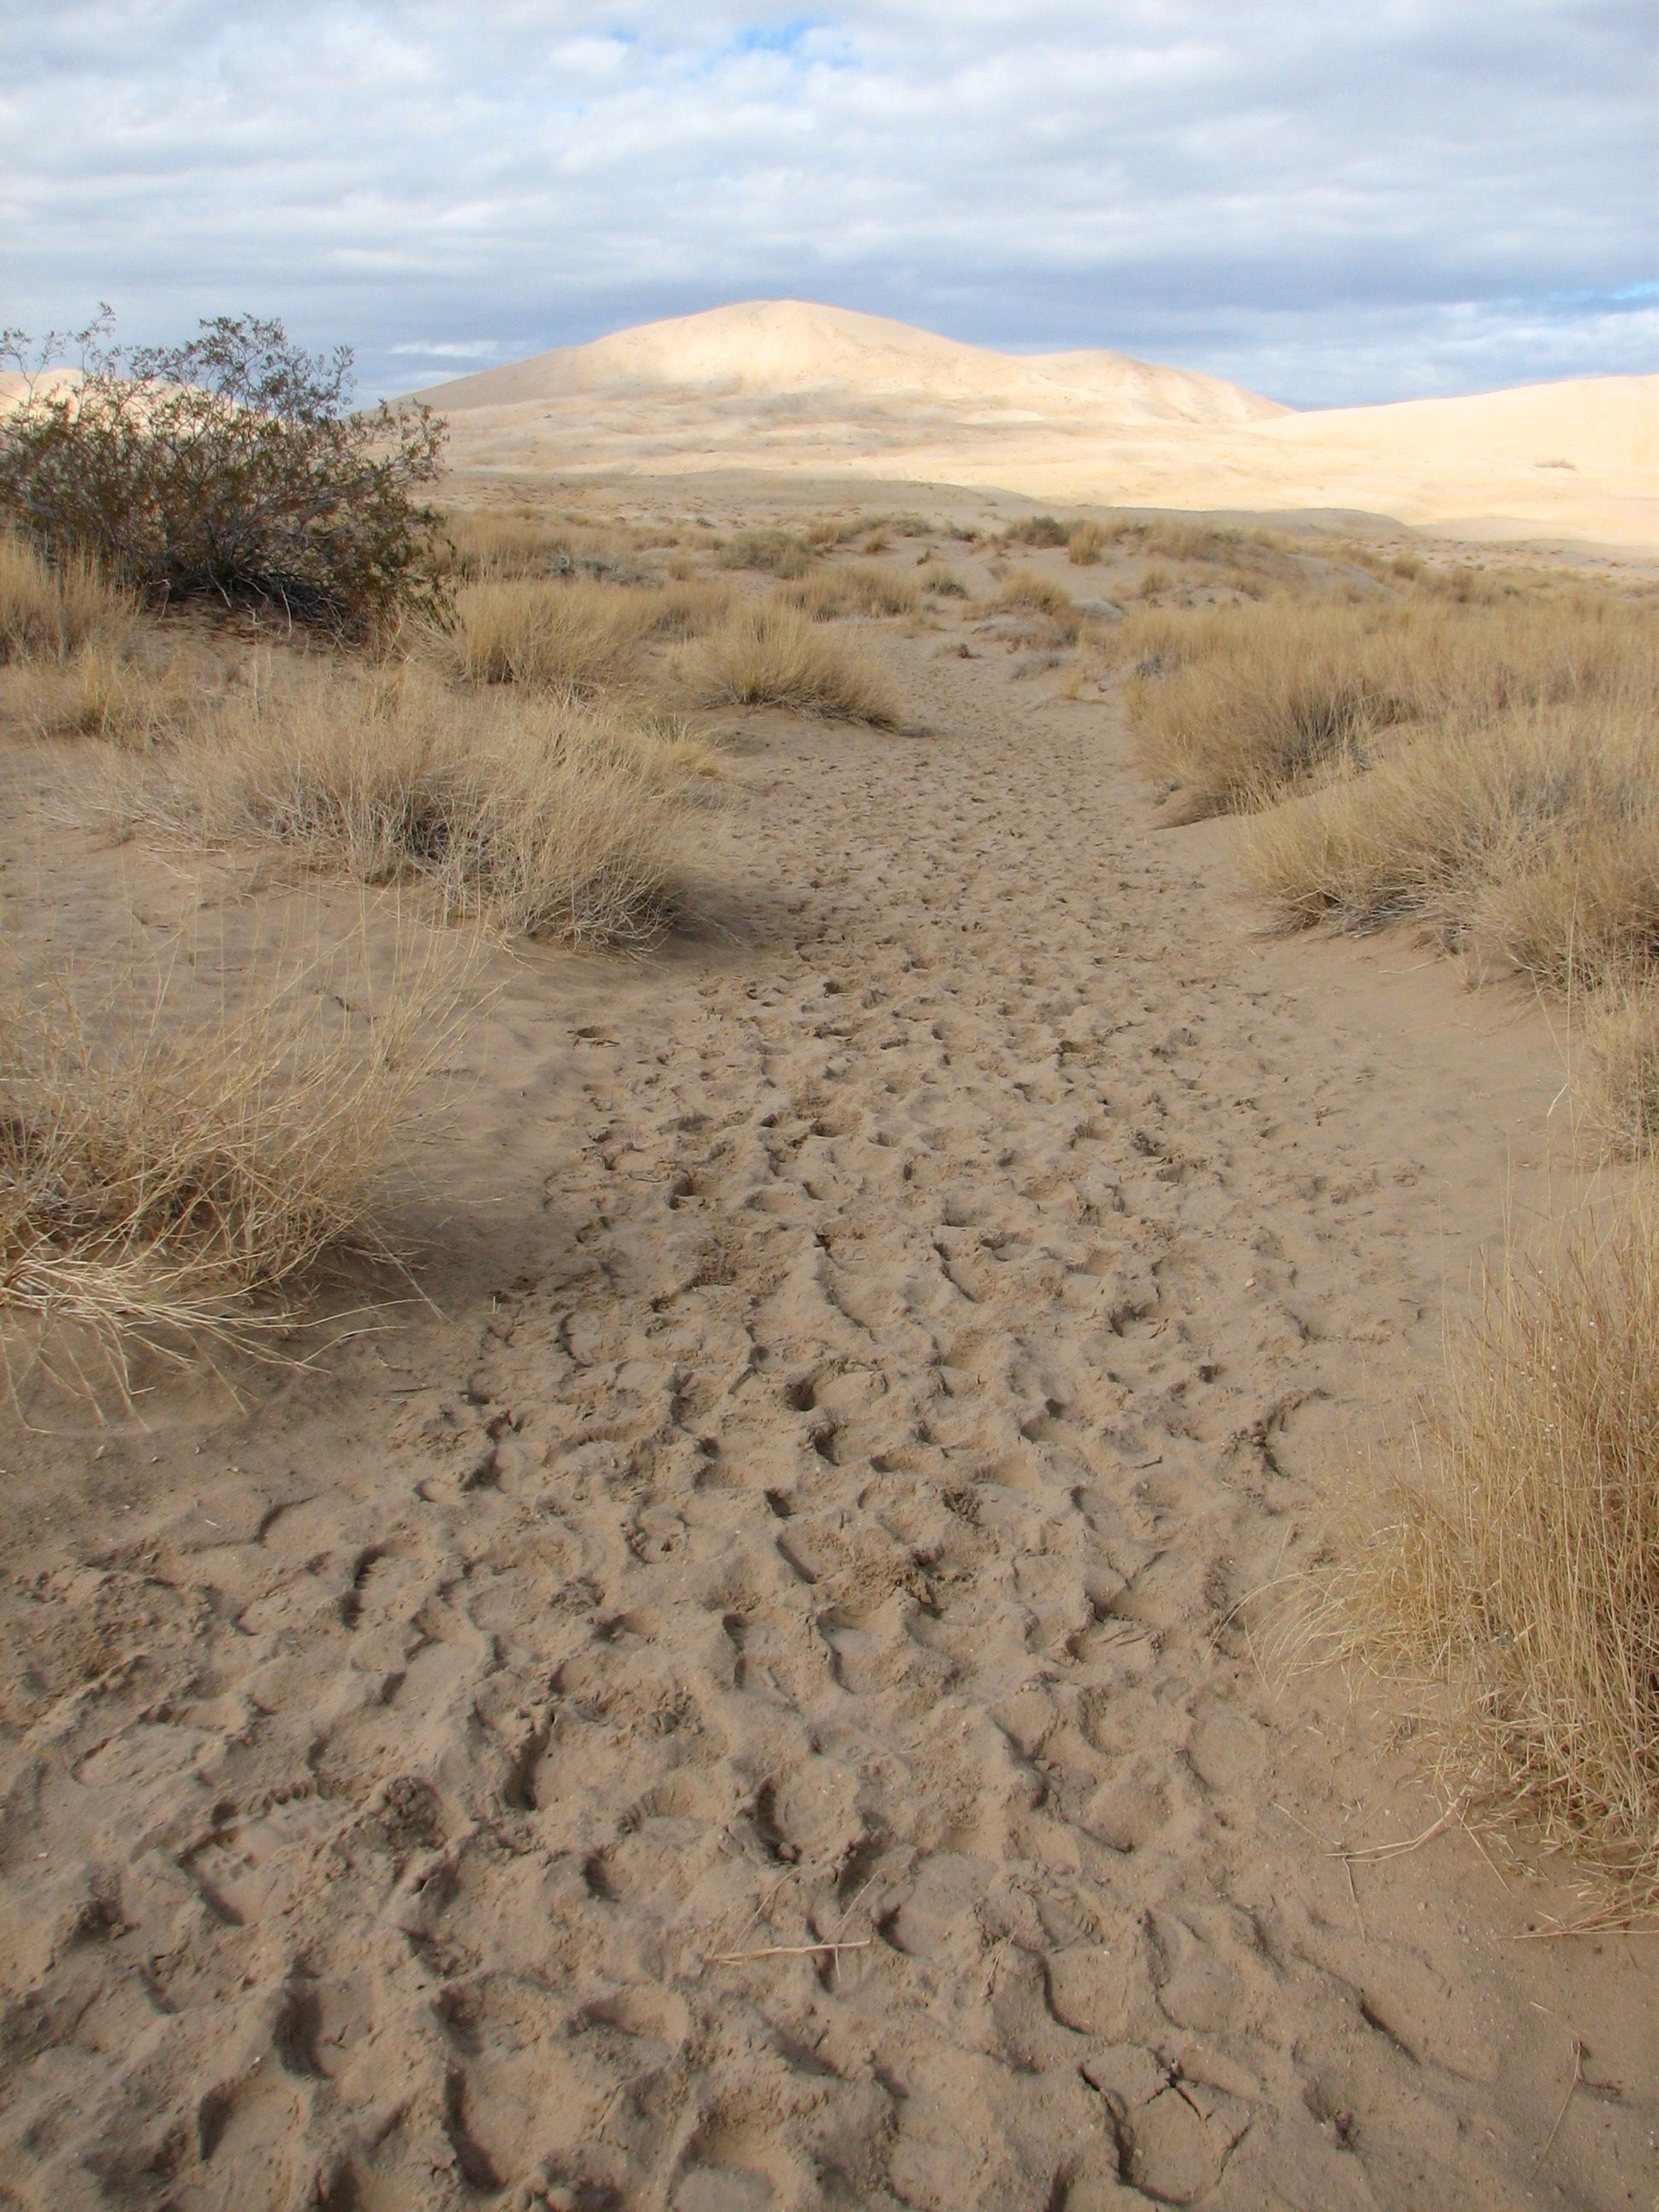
{"x": 1328, "y": 204}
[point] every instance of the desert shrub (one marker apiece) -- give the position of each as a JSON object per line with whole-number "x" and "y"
{"x": 1509, "y": 1597}
{"x": 1085, "y": 543}
{"x": 49, "y": 610}
{"x": 947, "y": 585}
{"x": 1154, "y": 580}
{"x": 774, "y": 655}
{"x": 858, "y": 591}
{"x": 577, "y": 635}
{"x": 161, "y": 1162}
{"x": 544, "y": 819}
{"x": 1039, "y": 529}
{"x": 229, "y": 465}
{"x": 779, "y": 552}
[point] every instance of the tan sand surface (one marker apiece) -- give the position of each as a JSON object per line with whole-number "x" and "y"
{"x": 879, "y": 1344}
{"x": 813, "y": 390}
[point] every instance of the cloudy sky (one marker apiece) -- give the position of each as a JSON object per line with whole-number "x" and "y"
{"x": 1327, "y": 202}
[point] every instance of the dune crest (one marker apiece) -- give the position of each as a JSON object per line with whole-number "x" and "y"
{"x": 786, "y": 386}
{"x": 792, "y": 346}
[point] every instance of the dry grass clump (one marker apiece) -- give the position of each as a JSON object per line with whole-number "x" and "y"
{"x": 778, "y": 552}
{"x": 861, "y": 591}
{"x": 1619, "y": 1074}
{"x": 132, "y": 691}
{"x": 575, "y": 637}
{"x": 490, "y": 546}
{"x": 1249, "y": 703}
{"x": 774, "y": 655}
{"x": 1085, "y": 541}
{"x": 49, "y": 610}
{"x": 161, "y": 1164}
{"x": 544, "y": 819}
{"x": 1510, "y": 1602}
{"x": 1043, "y": 595}
{"x": 1038, "y": 530}
{"x": 1530, "y": 836}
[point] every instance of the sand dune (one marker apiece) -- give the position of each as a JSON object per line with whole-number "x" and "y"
{"x": 785, "y": 386}
{"x": 775, "y": 347}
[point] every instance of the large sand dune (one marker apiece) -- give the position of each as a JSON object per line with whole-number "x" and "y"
{"x": 780, "y": 386}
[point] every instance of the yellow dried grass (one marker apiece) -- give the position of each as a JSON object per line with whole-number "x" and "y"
{"x": 773, "y": 655}
{"x": 544, "y": 817}
{"x": 49, "y": 610}
{"x": 577, "y": 635}
{"x": 163, "y": 1162}
{"x": 1509, "y": 1598}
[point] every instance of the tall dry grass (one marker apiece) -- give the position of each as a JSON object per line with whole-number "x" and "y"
{"x": 1529, "y": 837}
{"x": 577, "y": 635}
{"x": 1509, "y": 1598}
{"x": 161, "y": 1163}
{"x": 49, "y": 612}
{"x": 1239, "y": 705}
{"x": 1617, "y": 1071}
{"x": 1042, "y": 595}
{"x": 866, "y": 590}
{"x": 779, "y": 552}
{"x": 544, "y": 817}
{"x": 774, "y": 655}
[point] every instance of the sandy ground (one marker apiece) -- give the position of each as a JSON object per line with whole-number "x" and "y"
{"x": 807, "y": 390}
{"x": 884, "y": 1339}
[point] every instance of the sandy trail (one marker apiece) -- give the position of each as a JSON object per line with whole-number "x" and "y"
{"x": 906, "y": 1318}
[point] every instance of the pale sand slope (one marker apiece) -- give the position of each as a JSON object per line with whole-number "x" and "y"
{"x": 884, "y": 1339}
{"x": 811, "y": 391}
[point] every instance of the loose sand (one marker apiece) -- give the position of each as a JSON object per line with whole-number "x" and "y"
{"x": 815, "y": 392}
{"x": 883, "y": 1342}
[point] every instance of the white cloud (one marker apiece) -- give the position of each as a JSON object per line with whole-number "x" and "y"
{"x": 1329, "y": 203}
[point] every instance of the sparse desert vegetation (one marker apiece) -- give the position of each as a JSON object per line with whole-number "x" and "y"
{"x": 774, "y": 655}
{"x": 544, "y": 819}
{"x": 165, "y": 1154}
{"x": 576, "y": 635}
{"x": 51, "y": 610}
{"x": 1508, "y": 1595}
{"x": 231, "y": 466}
{"x": 1486, "y": 771}
{"x": 961, "y": 1171}
{"x": 865, "y": 590}
{"x": 1475, "y": 755}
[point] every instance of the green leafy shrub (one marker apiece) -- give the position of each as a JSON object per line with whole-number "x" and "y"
{"x": 232, "y": 466}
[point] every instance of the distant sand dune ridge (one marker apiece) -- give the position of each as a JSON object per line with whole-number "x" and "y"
{"x": 806, "y": 389}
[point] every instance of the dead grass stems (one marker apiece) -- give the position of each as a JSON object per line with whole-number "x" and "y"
{"x": 172, "y": 1161}
{"x": 867, "y": 590}
{"x": 49, "y": 610}
{"x": 1506, "y": 1598}
{"x": 543, "y": 818}
{"x": 774, "y": 655}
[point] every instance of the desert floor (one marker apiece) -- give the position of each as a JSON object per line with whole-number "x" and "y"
{"x": 886, "y": 1352}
